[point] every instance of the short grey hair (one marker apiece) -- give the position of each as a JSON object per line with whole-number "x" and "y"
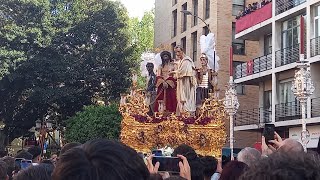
{"x": 249, "y": 155}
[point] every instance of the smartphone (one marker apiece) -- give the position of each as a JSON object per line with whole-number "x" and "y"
{"x": 25, "y": 164}
{"x": 268, "y": 132}
{"x": 157, "y": 152}
{"x": 17, "y": 162}
{"x": 167, "y": 164}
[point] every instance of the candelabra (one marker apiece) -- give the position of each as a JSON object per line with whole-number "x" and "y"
{"x": 302, "y": 87}
{"x": 231, "y": 104}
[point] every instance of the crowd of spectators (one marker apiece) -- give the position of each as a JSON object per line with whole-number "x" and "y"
{"x": 103, "y": 159}
{"x": 252, "y": 7}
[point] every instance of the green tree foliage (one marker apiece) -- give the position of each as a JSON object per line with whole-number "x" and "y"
{"x": 87, "y": 56}
{"x": 94, "y": 122}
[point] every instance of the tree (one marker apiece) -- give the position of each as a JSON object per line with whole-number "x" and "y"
{"x": 94, "y": 122}
{"x": 89, "y": 59}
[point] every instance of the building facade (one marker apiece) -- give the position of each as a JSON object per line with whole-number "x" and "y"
{"x": 278, "y": 28}
{"x": 175, "y": 28}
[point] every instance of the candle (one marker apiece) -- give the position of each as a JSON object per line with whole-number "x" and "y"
{"x": 231, "y": 62}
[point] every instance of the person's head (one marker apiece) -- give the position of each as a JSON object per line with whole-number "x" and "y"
{"x": 194, "y": 161}
{"x": 165, "y": 57}
{"x": 179, "y": 52}
{"x": 250, "y": 6}
{"x": 233, "y": 170}
{"x": 150, "y": 67}
{"x": 24, "y": 154}
{"x": 249, "y": 155}
{"x": 10, "y": 163}
{"x": 285, "y": 166}
{"x": 39, "y": 172}
{"x": 100, "y": 159}
{"x": 68, "y": 146}
{"x": 290, "y": 145}
{"x": 3, "y": 170}
{"x": 176, "y": 178}
{"x": 204, "y": 60}
{"x": 318, "y": 148}
{"x": 210, "y": 166}
{"x": 46, "y": 161}
{"x": 36, "y": 153}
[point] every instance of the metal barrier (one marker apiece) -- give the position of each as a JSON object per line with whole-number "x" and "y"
{"x": 284, "y": 5}
{"x": 315, "y": 46}
{"x": 287, "y": 55}
{"x": 288, "y": 111}
{"x": 253, "y": 116}
{"x": 315, "y": 107}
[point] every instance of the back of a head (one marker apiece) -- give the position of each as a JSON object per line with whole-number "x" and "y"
{"x": 35, "y": 151}
{"x": 285, "y": 166}
{"x": 291, "y": 146}
{"x": 69, "y": 146}
{"x": 233, "y": 170}
{"x": 3, "y": 170}
{"x": 210, "y": 166}
{"x": 176, "y": 178}
{"x": 249, "y": 155}
{"x": 39, "y": 172}
{"x": 10, "y": 163}
{"x": 194, "y": 161}
{"x": 100, "y": 159}
{"x": 25, "y": 155}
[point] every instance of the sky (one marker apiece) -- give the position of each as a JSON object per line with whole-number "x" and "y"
{"x": 136, "y": 8}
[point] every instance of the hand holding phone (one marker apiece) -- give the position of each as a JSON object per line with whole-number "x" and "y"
{"x": 268, "y": 133}
{"x": 167, "y": 164}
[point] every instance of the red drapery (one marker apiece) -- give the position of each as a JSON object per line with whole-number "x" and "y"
{"x": 254, "y": 18}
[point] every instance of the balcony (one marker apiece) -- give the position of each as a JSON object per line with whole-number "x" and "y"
{"x": 287, "y": 55}
{"x": 315, "y": 107}
{"x": 315, "y": 48}
{"x": 252, "y": 116}
{"x": 288, "y": 111}
{"x": 254, "y": 18}
{"x": 284, "y": 5}
{"x": 255, "y": 66}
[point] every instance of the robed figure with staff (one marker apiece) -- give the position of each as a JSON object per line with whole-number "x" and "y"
{"x": 166, "y": 84}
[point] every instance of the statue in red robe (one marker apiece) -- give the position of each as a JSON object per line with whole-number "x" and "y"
{"x": 166, "y": 84}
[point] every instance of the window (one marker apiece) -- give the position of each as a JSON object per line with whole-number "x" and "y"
{"x": 184, "y": 18}
{"x": 194, "y": 45}
{"x": 184, "y": 44}
{"x": 195, "y": 12}
{"x": 205, "y": 30}
{"x": 267, "y": 44}
{"x": 237, "y": 5}
{"x": 291, "y": 32}
{"x": 174, "y": 19}
{"x": 174, "y": 2}
{"x": 317, "y": 21}
{"x": 238, "y": 45}
{"x": 240, "y": 88}
{"x": 173, "y": 45}
{"x": 207, "y": 9}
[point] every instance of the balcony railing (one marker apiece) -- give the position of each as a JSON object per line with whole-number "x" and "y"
{"x": 287, "y": 55}
{"x": 254, "y": 18}
{"x": 288, "y": 111}
{"x": 253, "y": 116}
{"x": 315, "y": 46}
{"x": 284, "y": 5}
{"x": 258, "y": 65}
{"x": 315, "y": 107}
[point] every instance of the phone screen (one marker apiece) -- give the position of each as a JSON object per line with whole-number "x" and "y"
{"x": 157, "y": 152}
{"x": 25, "y": 164}
{"x": 17, "y": 162}
{"x": 167, "y": 164}
{"x": 268, "y": 132}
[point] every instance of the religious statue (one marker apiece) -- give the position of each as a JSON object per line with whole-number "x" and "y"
{"x": 151, "y": 88}
{"x": 186, "y": 82}
{"x": 166, "y": 84}
{"x": 205, "y": 80}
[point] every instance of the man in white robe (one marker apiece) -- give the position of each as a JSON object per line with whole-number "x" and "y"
{"x": 186, "y": 82}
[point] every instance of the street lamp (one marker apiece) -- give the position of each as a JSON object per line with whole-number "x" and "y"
{"x": 231, "y": 104}
{"x": 302, "y": 87}
{"x": 186, "y": 12}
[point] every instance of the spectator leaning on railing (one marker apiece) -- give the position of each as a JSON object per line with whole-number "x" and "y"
{"x": 251, "y": 8}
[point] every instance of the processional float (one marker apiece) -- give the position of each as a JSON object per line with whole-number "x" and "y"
{"x": 205, "y": 132}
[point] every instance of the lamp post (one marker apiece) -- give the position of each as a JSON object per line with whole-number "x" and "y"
{"x": 302, "y": 87}
{"x": 186, "y": 12}
{"x": 231, "y": 104}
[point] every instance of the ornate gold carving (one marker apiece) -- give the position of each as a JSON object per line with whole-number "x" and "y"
{"x": 206, "y": 133}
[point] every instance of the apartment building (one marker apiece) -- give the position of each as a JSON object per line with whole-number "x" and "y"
{"x": 278, "y": 28}
{"x": 172, "y": 28}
